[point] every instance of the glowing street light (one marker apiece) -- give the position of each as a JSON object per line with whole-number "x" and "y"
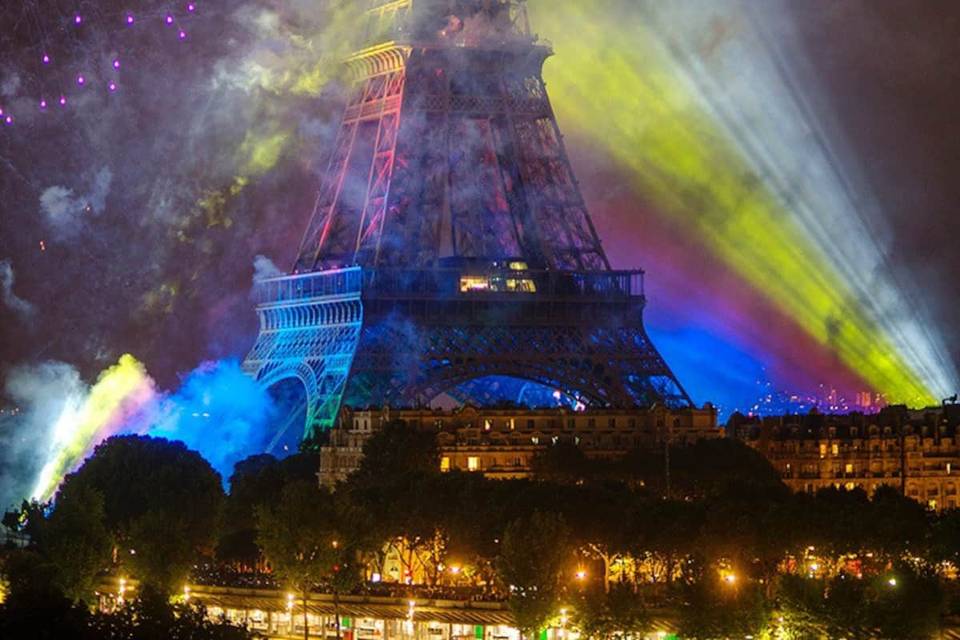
{"x": 892, "y": 582}
{"x": 408, "y": 623}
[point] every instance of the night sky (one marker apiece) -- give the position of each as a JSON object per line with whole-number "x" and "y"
{"x": 130, "y": 218}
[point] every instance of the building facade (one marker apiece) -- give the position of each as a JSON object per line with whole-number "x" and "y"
{"x": 502, "y": 442}
{"x": 915, "y": 451}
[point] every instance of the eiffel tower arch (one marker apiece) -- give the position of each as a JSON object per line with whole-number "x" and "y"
{"x": 450, "y": 245}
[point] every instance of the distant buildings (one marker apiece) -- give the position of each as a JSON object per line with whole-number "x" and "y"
{"x": 771, "y": 401}
{"x": 502, "y": 442}
{"x": 915, "y": 451}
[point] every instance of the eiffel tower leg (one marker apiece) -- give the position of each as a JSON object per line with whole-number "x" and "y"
{"x": 309, "y": 329}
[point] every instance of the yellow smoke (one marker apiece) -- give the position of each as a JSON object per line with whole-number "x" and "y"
{"x": 87, "y": 420}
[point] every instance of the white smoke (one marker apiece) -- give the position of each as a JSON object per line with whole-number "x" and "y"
{"x": 42, "y": 394}
{"x": 100, "y": 190}
{"x": 65, "y": 211}
{"x": 10, "y": 85}
{"x": 264, "y": 267}
{"x": 10, "y": 299}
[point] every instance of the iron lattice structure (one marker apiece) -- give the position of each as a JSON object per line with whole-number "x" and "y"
{"x": 450, "y": 241}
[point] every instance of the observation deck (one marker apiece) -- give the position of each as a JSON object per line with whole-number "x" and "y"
{"x": 494, "y": 284}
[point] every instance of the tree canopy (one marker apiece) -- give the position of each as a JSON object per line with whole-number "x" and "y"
{"x": 161, "y": 503}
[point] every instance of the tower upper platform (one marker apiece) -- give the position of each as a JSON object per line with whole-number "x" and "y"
{"x": 465, "y": 23}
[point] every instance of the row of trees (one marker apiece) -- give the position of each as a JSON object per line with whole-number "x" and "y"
{"x": 730, "y": 549}
{"x": 144, "y": 506}
{"x": 599, "y": 547}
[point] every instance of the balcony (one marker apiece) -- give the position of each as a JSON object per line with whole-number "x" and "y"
{"x": 308, "y": 286}
{"x": 479, "y": 281}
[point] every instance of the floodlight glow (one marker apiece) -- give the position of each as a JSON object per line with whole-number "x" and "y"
{"x": 717, "y": 132}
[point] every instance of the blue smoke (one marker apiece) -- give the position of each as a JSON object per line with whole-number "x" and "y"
{"x": 220, "y": 412}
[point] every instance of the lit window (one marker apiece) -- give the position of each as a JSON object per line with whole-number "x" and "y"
{"x": 474, "y": 283}
{"x": 513, "y": 424}
{"x": 487, "y": 425}
{"x": 444, "y": 464}
{"x": 835, "y": 449}
{"x": 823, "y": 450}
{"x": 848, "y": 468}
{"x": 473, "y": 463}
{"x": 519, "y": 266}
{"x": 523, "y": 285}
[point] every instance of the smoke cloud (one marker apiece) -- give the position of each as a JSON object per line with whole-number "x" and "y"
{"x": 218, "y": 411}
{"x": 10, "y": 299}
{"x": 40, "y": 394}
{"x": 263, "y": 268}
{"x": 65, "y": 211}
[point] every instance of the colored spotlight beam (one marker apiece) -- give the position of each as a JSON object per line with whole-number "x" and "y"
{"x": 637, "y": 97}
{"x": 782, "y": 135}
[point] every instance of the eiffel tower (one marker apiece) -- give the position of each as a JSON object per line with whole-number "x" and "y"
{"x": 450, "y": 250}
